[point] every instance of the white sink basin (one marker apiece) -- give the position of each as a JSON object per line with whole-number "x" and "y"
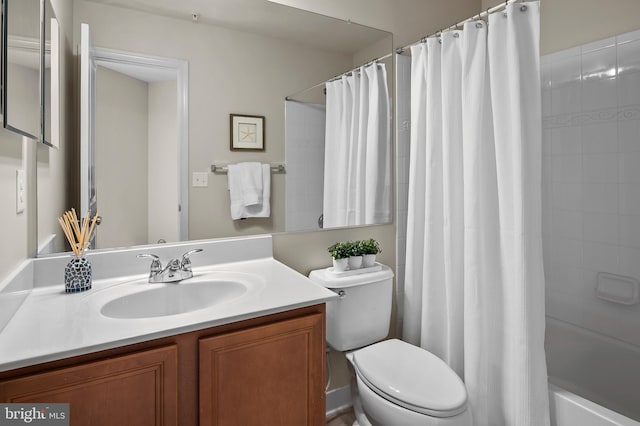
{"x": 175, "y": 298}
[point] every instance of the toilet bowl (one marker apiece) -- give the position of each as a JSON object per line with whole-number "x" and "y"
{"x": 401, "y": 384}
{"x": 397, "y": 384}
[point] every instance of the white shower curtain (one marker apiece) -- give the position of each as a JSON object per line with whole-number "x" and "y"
{"x": 357, "y": 166}
{"x": 474, "y": 286}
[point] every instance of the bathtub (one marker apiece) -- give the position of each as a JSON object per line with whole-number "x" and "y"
{"x": 594, "y": 380}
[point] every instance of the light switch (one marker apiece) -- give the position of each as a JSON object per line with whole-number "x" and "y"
{"x": 20, "y": 191}
{"x": 200, "y": 180}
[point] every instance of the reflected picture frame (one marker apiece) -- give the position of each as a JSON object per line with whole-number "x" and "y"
{"x": 247, "y": 132}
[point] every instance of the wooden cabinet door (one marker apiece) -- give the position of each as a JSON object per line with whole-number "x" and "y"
{"x": 267, "y": 375}
{"x": 137, "y": 389}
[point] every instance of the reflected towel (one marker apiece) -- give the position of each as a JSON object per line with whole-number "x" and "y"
{"x": 249, "y": 190}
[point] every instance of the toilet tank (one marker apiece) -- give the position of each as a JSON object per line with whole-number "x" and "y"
{"x": 361, "y": 315}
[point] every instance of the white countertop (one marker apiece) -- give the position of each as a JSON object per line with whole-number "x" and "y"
{"x": 51, "y": 325}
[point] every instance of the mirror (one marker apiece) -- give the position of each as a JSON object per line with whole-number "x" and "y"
{"x": 21, "y": 68}
{"x": 239, "y": 63}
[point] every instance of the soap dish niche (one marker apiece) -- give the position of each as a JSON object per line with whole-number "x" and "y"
{"x": 618, "y": 288}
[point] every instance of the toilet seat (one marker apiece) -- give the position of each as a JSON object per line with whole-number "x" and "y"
{"x": 405, "y": 375}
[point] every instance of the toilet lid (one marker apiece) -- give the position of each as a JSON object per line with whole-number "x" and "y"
{"x": 411, "y": 377}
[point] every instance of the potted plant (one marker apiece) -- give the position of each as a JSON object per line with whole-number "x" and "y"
{"x": 369, "y": 249}
{"x": 340, "y": 254}
{"x": 355, "y": 257}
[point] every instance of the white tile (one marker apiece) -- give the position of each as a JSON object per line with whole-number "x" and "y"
{"x": 629, "y": 89}
{"x": 630, "y": 262}
{"x": 563, "y": 306}
{"x": 546, "y": 142}
{"x": 627, "y": 37}
{"x": 600, "y": 138}
{"x": 600, "y": 168}
{"x": 566, "y": 99}
{"x": 630, "y": 231}
{"x": 567, "y": 224}
{"x": 600, "y": 227}
{"x": 545, "y": 74}
{"x": 629, "y": 135}
{"x": 566, "y": 196}
{"x": 599, "y": 64}
{"x": 564, "y": 278}
{"x": 566, "y": 140}
{"x": 629, "y": 201}
{"x": 546, "y": 221}
{"x": 630, "y": 167}
{"x": 567, "y": 168}
{"x": 629, "y": 57}
{"x": 598, "y": 45}
{"x": 546, "y": 101}
{"x": 599, "y": 94}
{"x": 547, "y": 170}
{"x": 600, "y": 257}
{"x": 600, "y": 198}
{"x": 566, "y": 251}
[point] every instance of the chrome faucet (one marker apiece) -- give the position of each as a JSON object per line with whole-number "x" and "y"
{"x": 176, "y": 270}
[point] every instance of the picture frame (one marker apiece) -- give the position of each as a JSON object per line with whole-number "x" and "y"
{"x": 247, "y": 132}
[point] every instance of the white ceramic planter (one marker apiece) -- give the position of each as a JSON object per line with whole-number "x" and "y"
{"x": 355, "y": 262}
{"x": 340, "y": 265}
{"x": 368, "y": 260}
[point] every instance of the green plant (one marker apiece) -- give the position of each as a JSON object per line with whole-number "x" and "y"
{"x": 339, "y": 250}
{"x": 369, "y": 246}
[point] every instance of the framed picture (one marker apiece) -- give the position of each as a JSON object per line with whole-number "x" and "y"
{"x": 247, "y": 132}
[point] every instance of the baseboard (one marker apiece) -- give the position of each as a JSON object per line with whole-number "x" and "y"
{"x": 338, "y": 400}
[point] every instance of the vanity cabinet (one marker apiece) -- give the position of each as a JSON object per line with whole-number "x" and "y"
{"x": 268, "y": 370}
{"x": 268, "y": 375}
{"x": 136, "y": 389}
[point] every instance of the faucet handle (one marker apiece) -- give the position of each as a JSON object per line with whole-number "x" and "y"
{"x": 186, "y": 262}
{"x": 156, "y": 265}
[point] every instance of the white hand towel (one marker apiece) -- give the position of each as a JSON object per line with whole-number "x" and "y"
{"x": 249, "y": 190}
{"x": 264, "y": 208}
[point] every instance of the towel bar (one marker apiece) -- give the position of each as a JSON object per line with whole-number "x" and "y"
{"x": 223, "y": 169}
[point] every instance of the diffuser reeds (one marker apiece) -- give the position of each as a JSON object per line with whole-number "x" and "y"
{"x": 78, "y": 232}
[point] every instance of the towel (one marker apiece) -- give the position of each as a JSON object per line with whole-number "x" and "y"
{"x": 249, "y": 190}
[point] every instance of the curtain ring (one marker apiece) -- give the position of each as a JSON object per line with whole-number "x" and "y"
{"x": 478, "y": 24}
{"x": 456, "y": 35}
{"x": 523, "y": 8}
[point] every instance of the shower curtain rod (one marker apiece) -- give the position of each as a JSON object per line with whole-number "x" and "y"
{"x": 350, "y": 72}
{"x": 480, "y": 15}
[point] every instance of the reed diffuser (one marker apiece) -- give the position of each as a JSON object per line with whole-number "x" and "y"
{"x": 77, "y": 273}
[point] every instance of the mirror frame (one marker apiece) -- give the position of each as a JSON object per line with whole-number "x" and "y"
{"x": 40, "y": 47}
{"x": 32, "y": 45}
{"x": 53, "y": 138}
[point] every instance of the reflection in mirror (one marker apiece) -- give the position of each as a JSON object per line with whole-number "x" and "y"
{"x": 339, "y": 145}
{"x": 21, "y": 69}
{"x": 140, "y": 93}
{"x": 238, "y": 63}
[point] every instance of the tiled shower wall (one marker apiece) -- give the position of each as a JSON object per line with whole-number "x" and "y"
{"x": 591, "y": 181}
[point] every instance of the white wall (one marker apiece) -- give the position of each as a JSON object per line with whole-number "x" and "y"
{"x": 408, "y": 20}
{"x": 122, "y": 140}
{"x": 163, "y": 180}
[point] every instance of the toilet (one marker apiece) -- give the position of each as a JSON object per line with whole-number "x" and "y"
{"x": 397, "y": 383}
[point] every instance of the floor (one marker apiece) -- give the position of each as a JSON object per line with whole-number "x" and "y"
{"x": 344, "y": 418}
